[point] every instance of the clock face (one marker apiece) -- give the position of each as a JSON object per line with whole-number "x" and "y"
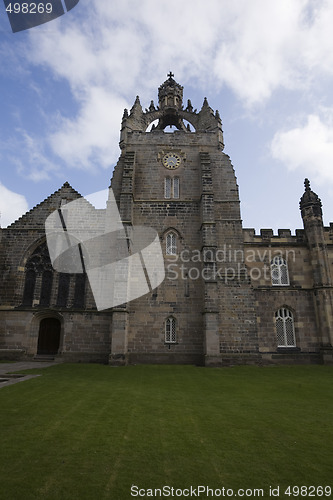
{"x": 171, "y": 160}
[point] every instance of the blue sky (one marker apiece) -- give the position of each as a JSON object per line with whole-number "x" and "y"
{"x": 267, "y": 66}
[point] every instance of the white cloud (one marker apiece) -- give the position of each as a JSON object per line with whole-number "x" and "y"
{"x": 110, "y": 51}
{"x": 100, "y": 49}
{"x": 91, "y": 139}
{"x": 308, "y": 147}
{"x": 254, "y": 47}
{"x": 35, "y": 164}
{"x": 258, "y": 53}
{"x": 12, "y": 206}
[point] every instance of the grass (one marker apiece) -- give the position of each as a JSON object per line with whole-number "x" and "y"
{"x": 91, "y": 431}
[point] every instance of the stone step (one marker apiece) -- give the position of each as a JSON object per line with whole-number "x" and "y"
{"x": 44, "y": 357}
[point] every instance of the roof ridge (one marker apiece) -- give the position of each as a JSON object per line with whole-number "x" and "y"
{"x": 66, "y": 185}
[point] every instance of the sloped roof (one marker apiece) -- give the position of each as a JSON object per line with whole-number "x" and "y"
{"x": 35, "y": 218}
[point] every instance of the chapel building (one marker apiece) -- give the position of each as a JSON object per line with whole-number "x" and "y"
{"x": 229, "y": 296}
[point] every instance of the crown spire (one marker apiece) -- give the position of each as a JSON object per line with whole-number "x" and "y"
{"x": 170, "y": 94}
{"x": 307, "y": 185}
{"x": 170, "y": 112}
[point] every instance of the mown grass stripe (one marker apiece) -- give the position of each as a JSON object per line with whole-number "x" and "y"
{"x": 91, "y": 431}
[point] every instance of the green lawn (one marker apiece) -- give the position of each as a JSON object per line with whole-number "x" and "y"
{"x": 92, "y": 431}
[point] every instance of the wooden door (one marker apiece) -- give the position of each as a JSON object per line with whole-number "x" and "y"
{"x": 49, "y": 336}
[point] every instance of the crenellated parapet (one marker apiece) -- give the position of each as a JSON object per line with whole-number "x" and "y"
{"x": 283, "y": 236}
{"x": 171, "y": 112}
{"x": 267, "y": 236}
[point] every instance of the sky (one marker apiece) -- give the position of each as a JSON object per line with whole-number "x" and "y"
{"x": 267, "y": 67}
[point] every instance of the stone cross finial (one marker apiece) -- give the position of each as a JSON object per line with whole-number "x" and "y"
{"x": 170, "y": 75}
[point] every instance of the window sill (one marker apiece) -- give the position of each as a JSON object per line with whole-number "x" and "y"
{"x": 288, "y": 349}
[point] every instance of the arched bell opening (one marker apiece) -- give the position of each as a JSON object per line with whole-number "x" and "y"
{"x": 152, "y": 125}
{"x": 170, "y": 123}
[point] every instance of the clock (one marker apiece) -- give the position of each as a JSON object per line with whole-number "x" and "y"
{"x": 171, "y": 160}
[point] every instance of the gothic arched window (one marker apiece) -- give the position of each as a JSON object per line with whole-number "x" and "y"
{"x": 279, "y": 271}
{"x": 39, "y": 264}
{"x": 45, "y": 293}
{"x": 171, "y": 244}
{"x": 29, "y": 287}
{"x": 63, "y": 289}
{"x": 170, "y": 330}
{"x": 285, "y": 331}
{"x": 79, "y": 290}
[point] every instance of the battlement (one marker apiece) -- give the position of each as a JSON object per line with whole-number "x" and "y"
{"x": 283, "y": 236}
{"x": 267, "y": 236}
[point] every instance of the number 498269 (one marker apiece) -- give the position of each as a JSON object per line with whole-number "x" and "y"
{"x": 308, "y": 491}
{"x": 29, "y": 8}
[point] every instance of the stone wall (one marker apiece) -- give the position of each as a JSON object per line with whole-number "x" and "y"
{"x": 299, "y": 295}
{"x": 85, "y": 337}
{"x": 85, "y": 334}
{"x": 218, "y": 288}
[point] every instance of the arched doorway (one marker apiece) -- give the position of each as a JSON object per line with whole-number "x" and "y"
{"x": 49, "y": 336}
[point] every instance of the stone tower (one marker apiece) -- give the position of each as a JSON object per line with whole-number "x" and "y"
{"x": 184, "y": 186}
{"x": 311, "y": 211}
{"x": 230, "y": 296}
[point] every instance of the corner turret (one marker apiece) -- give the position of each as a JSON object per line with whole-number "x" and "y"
{"x": 310, "y": 204}
{"x": 312, "y": 215}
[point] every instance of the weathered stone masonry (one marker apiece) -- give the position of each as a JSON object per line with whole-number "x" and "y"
{"x": 229, "y": 296}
